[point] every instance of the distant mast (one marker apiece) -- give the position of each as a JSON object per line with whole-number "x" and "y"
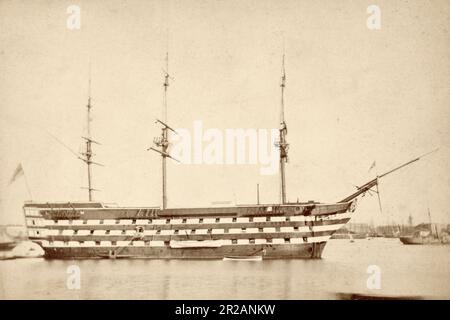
{"x": 282, "y": 144}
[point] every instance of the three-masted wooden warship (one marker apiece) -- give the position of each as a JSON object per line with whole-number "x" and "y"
{"x": 269, "y": 231}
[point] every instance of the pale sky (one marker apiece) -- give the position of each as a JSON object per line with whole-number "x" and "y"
{"x": 353, "y": 95}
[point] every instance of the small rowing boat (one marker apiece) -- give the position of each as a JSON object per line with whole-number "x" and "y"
{"x": 243, "y": 258}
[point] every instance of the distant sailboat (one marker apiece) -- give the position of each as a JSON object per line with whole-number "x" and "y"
{"x": 424, "y": 234}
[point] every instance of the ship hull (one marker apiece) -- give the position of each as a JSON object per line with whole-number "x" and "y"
{"x": 281, "y": 251}
{"x": 74, "y": 231}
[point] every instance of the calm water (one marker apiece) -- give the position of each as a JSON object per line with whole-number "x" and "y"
{"x": 405, "y": 270}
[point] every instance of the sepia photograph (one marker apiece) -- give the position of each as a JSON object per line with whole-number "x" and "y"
{"x": 224, "y": 150}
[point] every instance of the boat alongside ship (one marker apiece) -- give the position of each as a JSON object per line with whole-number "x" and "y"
{"x": 7, "y": 245}
{"x": 67, "y": 230}
{"x": 15, "y": 244}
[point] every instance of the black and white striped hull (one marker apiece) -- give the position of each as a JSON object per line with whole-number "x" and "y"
{"x": 116, "y": 234}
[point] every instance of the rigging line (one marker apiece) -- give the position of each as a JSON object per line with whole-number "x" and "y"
{"x": 62, "y": 143}
{"x": 89, "y": 85}
{"x": 19, "y": 122}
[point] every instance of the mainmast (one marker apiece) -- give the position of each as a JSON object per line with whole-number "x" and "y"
{"x": 88, "y": 154}
{"x": 162, "y": 141}
{"x": 282, "y": 144}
